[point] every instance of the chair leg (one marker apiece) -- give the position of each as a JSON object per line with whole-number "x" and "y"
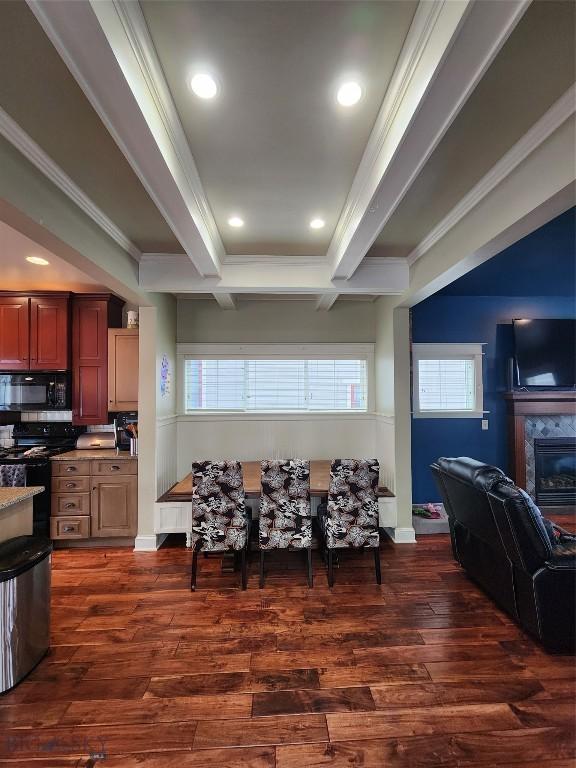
{"x": 377, "y": 565}
{"x": 330, "y": 568}
{"x": 310, "y": 576}
{"x": 244, "y": 577}
{"x": 261, "y": 568}
{"x": 194, "y": 567}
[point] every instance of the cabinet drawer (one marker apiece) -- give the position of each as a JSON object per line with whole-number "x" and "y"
{"x": 114, "y": 467}
{"x": 70, "y": 504}
{"x": 68, "y": 468}
{"x": 70, "y": 527}
{"x": 71, "y": 484}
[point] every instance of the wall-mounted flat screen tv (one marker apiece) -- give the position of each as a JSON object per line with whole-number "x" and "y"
{"x": 545, "y": 353}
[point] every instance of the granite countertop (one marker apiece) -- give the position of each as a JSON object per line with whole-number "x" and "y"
{"x": 10, "y": 496}
{"x": 94, "y": 453}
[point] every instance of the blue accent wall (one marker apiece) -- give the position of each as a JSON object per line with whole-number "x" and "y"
{"x": 451, "y": 316}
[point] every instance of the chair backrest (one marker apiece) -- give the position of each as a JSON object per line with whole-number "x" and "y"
{"x": 352, "y": 511}
{"x": 285, "y": 515}
{"x": 219, "y": 518}
{"x": 521, "y": 527}
{"x": 464, "y": 483}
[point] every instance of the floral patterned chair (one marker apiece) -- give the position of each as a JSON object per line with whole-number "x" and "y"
{"x": 219, "y": 519}
{"x": 350, "y": 519}
{"x": 285, "y": 515}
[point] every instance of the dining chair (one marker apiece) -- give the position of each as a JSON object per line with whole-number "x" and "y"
{"x": 219, "y": 518}
{"x": 285, "y": 515}
{"x": 350, "y": 517}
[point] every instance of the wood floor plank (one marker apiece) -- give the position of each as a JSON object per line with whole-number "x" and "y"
{"x": 538, "y": 714}
{"x": 295, "y": 660}
{"x": 357, "y": 639}
{"x": 416, "y": 721}
{"x": 485, "y": 669}
{"x": 155, "y": 667}
{"x": 367, "y": 675}
{"x": 31, "y": 715}
{"x": 420, "y": 654}
{"x": 150, "y": 710}
{"x": 233, "y": 682}
{"x": 261, "y": 731}
{"x": 461, "y": 692}
{"x": 243, "y": 757}
{"x": 357, "y": 699}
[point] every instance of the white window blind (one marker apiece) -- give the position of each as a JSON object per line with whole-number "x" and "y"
{"x": 275, "y": 385}
{"x": 446, "y": 385}
{"x": 447, "y": 380}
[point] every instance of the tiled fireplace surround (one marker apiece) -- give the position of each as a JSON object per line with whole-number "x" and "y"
{"x": 536, "y": 427}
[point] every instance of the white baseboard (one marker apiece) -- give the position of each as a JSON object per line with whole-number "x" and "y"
{"x": 401, "y": 535}
{"x": 149, "y": 543}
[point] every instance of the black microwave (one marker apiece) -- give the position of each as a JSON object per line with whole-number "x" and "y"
{"x": 35, "y": 391}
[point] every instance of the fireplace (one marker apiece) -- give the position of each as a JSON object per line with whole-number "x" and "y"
{"x": 555, "y": 471}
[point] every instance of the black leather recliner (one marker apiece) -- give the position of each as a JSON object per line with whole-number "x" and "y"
{"x": 500, "y": 538}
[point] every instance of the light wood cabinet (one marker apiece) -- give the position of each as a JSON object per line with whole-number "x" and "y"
{"x": 94, "y": 498}
{"x": 123, "y": 369}
{"x": 114, "y": 509}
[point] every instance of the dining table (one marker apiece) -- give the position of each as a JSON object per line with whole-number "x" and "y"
{"x": 251, "y": 471}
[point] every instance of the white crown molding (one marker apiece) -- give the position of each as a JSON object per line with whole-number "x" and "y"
{"x": 174, "y": 273}
{"x": 271, "y": 260}
{"x": 448, "y": 49}
{"x": 540, "y": 131}
{"x": 93, "y": 39}
{"x": 19, "y": 139}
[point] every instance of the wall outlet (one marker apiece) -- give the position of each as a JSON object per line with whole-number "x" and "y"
{"x": 484, "y": 423}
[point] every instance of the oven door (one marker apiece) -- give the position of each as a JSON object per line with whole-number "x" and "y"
{"x": 32, "y": 391}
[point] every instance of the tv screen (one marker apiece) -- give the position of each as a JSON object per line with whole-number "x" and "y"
{"x": 545, "y": 353}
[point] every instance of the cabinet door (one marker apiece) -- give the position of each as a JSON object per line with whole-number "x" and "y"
{"x": 49, "y": 347}
{"x": 89, "y": 361}
{"x": 122, "y": 369}
{"x": 114, "y": 507}
{"x": 14, "y": 333}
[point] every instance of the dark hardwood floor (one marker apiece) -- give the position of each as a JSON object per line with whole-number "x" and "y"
{"x": 423, "y": 671}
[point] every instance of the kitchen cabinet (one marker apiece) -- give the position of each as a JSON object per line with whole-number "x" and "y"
{"x": 14, "y": 333}
{"x": 114, "y": 508}
{"x": 92, "y": 315}
{"x": 49, "y": 340}
{"x": 123, "y": 369}
{"x": 34, "y": 332}
{"x": 94, "y": 498}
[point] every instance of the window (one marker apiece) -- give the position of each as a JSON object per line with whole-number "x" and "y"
{"x": 447, "y": 380}
{"x": 275, "y": 382}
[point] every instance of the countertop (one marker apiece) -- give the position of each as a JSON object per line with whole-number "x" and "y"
{"x": 96, "y": 453}
{"x": 10, "y": 496}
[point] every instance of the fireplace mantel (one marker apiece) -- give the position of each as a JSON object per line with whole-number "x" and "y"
{"x": 521, "y": 404}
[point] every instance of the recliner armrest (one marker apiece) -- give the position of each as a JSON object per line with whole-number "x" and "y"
{"x": 562, "y": 561}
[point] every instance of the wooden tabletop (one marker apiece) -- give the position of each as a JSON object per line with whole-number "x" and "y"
{"x": 319, "y": 481}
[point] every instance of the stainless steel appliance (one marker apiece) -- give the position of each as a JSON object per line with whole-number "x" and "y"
{"x": 24, "y": 607}
{"x": 35, "y": 391}
{"x": 34, "y": 443}
{"x": 96, "y": 440}
{"x": 121, "y": 421}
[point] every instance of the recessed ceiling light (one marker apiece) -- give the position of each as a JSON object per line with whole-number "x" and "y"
{"x": 349, "y": 93}
{"x": 204, "y": 86}
{"x": 37, "y": 260}
{"x": 317, "y": 223}
{"x": 236, "y": 221}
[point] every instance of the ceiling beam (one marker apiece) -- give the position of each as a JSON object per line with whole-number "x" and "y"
{"x": 108, "y": 49}
{"x": 326, "y": 301}
{"x": 174, "y": 273}
{"x": 449, "y": 46}
{"x": 225, "y": 300}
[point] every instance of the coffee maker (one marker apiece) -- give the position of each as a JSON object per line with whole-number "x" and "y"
{"x": 121, "y": 421}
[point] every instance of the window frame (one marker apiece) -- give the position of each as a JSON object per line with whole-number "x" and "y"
{"x": 460, "y": 351}
{"x": 187, "y": 351}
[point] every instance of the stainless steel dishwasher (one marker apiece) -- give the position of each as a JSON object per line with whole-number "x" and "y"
{"x": 24, "y": 606}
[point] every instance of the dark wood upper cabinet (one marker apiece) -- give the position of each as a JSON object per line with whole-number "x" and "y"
{"x": 92, "y": 315}
{"x": 14, "y": 333}
{"x": 49, "y": 338}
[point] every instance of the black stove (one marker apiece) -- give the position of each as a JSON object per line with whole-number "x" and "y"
{"x": 34, "y": 443}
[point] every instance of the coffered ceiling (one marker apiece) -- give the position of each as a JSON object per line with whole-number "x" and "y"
{"x": 453, "y": 95}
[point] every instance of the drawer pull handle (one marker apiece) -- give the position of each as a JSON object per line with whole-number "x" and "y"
{"x": 70, "y": 469}
{"x": 70, "y": 485}
{"x": 115, "y": 467}
{"x": 70, "y": 505}
{"x": 68, "y": 529}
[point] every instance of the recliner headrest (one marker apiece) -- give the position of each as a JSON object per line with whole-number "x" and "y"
{"x": 484, "y": 477}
